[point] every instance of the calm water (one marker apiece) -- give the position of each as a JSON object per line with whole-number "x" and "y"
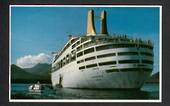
{"x": 148, "y": 91}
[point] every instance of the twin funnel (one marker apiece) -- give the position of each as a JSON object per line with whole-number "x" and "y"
{"x": 90, "y": 23}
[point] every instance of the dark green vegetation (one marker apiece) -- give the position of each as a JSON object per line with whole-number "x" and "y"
{"x": 40, "y": 72}
{"x": 39, "y": 69}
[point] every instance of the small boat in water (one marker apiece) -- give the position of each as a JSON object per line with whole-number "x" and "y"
{"x": 35, "y": 88}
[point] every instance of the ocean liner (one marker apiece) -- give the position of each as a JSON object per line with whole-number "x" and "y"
{"x": 102, "y": 61}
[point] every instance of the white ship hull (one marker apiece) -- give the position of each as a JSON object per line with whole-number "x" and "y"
{"x": 100, "y": 79}
{"x": 97, "y": 77}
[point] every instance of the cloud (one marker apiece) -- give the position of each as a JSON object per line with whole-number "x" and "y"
{"x": 29, "y": 61}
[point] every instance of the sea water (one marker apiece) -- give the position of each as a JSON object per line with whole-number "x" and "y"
{"x": 148, "y": 91}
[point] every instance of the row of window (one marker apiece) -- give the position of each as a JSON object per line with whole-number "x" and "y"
{"x": 67, "y": 46}
{"x": 66, "y": 60}
{"x": 88, "y": 50}
{"x": 80, "y": 41}
{"x": 88, "y": 66}
{"x": 91, "y": 65}
{"x": 114, "y": 62}
{"x": 86, "y": 59}
{"x": 113, "y": 54}
{"x": 135, "y": 53}
{"x": 117, "y": 70}
{"x": 79, "y": 54}
{"x": 100, "y": 64}
{"x": 79, "y": 48}
{"x": 90, "y": 58}
{"x": 76, "y": 44}
{"x": 106, "y": 55}
{"x": 127, "y": 53}
{"x": 107, "y": 63}
{"x": 70, "y": 58}
{"x": 111, "y": 46}
{"x": 85, "y": 52}
{"x": 128, "y": 69}
{"x": 135, "y": 61}
{"x": 100, "y": 40}
{"x": 120, "y": 61}
{"x": 103, "y": 47}
{"x": 80, "y": 61}
{"x": 128, "y": 61}
{"x": 99, "y": 56}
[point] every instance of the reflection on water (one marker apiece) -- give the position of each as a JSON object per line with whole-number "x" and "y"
{"x": 148, "y": 91}
{"x": 102, "y": 94}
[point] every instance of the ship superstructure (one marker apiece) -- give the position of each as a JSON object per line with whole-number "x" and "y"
{"x": 102, "y": 60}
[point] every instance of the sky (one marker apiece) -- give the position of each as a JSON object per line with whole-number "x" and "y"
{"x": 36, "y": 32}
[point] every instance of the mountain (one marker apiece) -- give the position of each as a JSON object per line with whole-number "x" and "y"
{"x": 41, "y": 69}
{"x": 19, "y": 75}
{"x": 154, "y": 78}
